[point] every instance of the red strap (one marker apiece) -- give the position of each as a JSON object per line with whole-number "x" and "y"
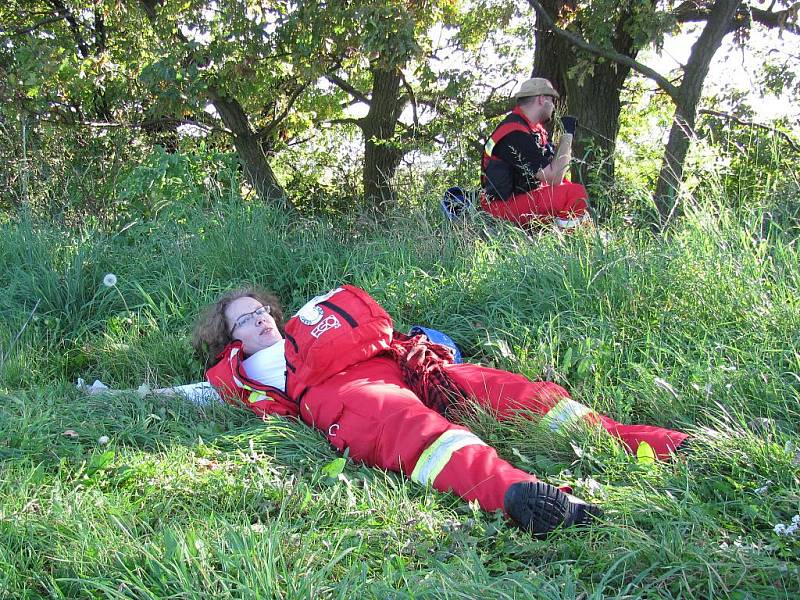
{"x": 505, "y": 128}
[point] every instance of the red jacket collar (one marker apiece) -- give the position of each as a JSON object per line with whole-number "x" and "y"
{"x": 533, "y": 126}
{"x": 227, "y": 350}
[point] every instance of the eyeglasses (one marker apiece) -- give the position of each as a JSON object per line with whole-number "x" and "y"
{"x": 248, "y": 318}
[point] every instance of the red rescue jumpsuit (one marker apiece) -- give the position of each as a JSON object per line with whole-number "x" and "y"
{"x": 369, "y": 409}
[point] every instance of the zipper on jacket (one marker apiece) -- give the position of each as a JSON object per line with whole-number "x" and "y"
{"x": 342, "y": 312}
{"x": 292, "y": 341}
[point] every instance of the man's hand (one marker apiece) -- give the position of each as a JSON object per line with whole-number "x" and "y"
{"x": 569, "y": 123}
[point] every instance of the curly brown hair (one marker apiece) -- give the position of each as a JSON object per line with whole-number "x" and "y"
{"x": 211, "y": 332}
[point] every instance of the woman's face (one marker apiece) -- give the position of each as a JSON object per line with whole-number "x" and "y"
{"x": 249, "y": 322}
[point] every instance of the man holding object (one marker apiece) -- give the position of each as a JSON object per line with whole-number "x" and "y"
{"x": 522, "y": 175}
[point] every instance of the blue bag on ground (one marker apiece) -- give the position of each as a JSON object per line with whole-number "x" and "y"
{"x": 437, "y": 337}
{"x": 456, "y": 203}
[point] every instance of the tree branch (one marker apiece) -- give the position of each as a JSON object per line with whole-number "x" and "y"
{"x": 100, "y": 33}
{"x": 265, "y": 132}
{"x": 143, "y": 125}
{"x": 612, "y": 55}
{"x": 784, "y": 20}
{"x": 729, "y": 117}
{"x": 32, "y": 28}
{"x": 411, "y": 97}
{"x": 64, "y": 13}
{"x": 341, "y": 83}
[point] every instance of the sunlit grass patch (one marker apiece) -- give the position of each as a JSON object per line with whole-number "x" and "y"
{"x": 127, "y": 496}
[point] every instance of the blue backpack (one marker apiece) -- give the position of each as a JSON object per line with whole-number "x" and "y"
{"x": 455, "y": 204}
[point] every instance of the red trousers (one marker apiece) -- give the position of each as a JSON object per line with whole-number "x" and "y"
{"x": 508, "y": 393}
{"x": 564, "y": 201}
{"x": 369, "y": 410}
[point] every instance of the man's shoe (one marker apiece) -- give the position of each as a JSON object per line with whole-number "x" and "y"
{"x": 571, "y": 224}
{"x": 539, "y": 508}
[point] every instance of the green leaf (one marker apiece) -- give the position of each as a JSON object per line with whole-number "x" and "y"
{"x": 99, "y": 462}
{"x": 334, "y": 468}
{"x": 645, "y": 454}
{"x": 567, "y": 361}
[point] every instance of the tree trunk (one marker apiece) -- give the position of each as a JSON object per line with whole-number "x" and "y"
{"x": 256, "y": 168}
{"x": 381, "y": 154}
{"x": 553, "y": 55}
{"x": 596, "y": 103}
{"x": 594, "y": 98}
{"x": 695, "y": 72}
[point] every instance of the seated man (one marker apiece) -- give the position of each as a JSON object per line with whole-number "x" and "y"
{"x": 521, "y": 175}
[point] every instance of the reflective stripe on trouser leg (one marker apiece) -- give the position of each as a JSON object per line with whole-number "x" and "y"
{"x": 436, "y": 456}
{"x": 565, "y": 413}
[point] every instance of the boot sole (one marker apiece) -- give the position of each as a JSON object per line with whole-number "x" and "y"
{"x": 539, "y": 508}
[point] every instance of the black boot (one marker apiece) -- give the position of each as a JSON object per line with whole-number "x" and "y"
{"x": 539, "y": 508}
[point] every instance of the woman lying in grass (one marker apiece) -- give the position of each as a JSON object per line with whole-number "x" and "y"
{"x": 386, "y": 398}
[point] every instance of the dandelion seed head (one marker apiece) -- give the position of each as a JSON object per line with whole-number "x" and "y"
{"x": 110, "y": 280}
{"x": 103, "y": 440}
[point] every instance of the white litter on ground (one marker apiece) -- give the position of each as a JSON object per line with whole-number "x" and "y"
{"x": 201, "y": 393}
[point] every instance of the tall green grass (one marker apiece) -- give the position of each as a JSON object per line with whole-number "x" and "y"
{"x": 698, "y": 330}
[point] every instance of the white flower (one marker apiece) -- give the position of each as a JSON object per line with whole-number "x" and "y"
{"x": 110, "y": 280}
{"x": 103, "y": 440}
{"x": 780, "y": 529}
{"x": 762, "y": 490}
{"x": 796, "y": 519}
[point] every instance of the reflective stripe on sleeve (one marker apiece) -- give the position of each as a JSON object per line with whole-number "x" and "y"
{"x": 256, "y": 396}
{"x": 490, "y": 143}
{"x": 436, "y": 456}
{"x": 565, "y": 412}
